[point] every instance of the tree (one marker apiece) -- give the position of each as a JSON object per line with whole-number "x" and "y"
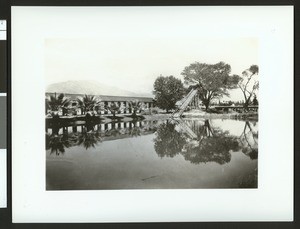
{"x": 135, "y": 105}
{"x": 248, "y": 84}
{"x": 211, "y": 80}
{"x": 255, "y": 101}
{"x": 168, "y": 90}
{"x": 54, "y": 103}
{"x": 114, "y": 108}
{"x": 87, "y": 103}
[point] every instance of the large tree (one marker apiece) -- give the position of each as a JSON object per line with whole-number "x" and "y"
{"x": 248, "y": 83}
{"x": 168, "y": 90}
{"x": 211, "y": 80}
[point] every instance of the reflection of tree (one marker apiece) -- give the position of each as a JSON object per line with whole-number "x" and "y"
{"x": 203, "y": 130}
{"x": 249, "y": 140}
{"x": 134, "y": 130}
{"x": 168, "y": 142}
{"x": 88, "y": 137}
{"x": 113, "y": 131}
{"x": 57, "y": 143}
{"x": 212, "y": 144}
{"x": 214, "y": 148}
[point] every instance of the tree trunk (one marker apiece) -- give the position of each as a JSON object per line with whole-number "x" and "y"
{"x": 246, "y": 104}
{"x": 134, "y": 113}
{"x": 206, "y": 104}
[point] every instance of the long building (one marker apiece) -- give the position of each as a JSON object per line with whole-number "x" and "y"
{"x": 106, "y": 100}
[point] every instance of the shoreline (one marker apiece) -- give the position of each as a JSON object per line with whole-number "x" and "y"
{"x": 186, "y": 115}
{"x": 244, "y": 116}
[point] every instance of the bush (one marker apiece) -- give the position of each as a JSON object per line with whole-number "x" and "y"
{"x": 214, "y": 111}
{"x": 154, "y": 110}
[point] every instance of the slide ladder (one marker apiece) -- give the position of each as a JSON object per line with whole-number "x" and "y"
{"x": 183, "y": 103}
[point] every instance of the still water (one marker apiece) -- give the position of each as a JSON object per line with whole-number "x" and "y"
{"x": 153, "y": 154}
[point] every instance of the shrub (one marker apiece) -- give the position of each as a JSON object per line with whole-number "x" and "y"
{"x": 154, "y": 110}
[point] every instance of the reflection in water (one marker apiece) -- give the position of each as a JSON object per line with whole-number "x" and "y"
{"x": 197, "y": 141}
{"x": 249, "y": 140}
{"x": 56, "y": 143}
{"x": 169, "y": 141}
{"x": 212, "y": 143}
{"x": 153, "y": 154}
{"x": 91, "y": 134}
{"x": 88, "y": 137}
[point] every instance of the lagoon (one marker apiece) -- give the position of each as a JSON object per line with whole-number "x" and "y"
{"x": 164, "y": 154}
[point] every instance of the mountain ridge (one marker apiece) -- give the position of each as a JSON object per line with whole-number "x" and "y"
{"x": 90, "y": 87}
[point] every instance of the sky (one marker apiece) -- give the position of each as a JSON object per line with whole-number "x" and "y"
{"x": 134, "y": 62}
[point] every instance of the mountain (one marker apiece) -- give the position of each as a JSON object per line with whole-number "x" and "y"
{"x": 90, "y": 88}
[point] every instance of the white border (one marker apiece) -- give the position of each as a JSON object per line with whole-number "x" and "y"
{"x": 2, "y": 24}
{"x": 3, "y": 187}
{"x": 272, "y": 201}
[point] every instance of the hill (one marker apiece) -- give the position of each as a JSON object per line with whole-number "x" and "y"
{"x": 90, "y": 88}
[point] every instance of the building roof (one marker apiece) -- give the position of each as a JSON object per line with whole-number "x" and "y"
{"x": 108, "y": 98}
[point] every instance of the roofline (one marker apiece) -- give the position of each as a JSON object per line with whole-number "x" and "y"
{"x": 111, "y": 96}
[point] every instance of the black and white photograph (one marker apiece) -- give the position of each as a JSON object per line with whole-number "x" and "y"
{"x": 151, "y": 113}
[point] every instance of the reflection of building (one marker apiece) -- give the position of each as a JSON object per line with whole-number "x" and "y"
{"x": 60, "y": 137}
{"x": 106, "y": 100}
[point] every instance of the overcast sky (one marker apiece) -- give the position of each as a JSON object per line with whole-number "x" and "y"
{"x": 133, "y": 63}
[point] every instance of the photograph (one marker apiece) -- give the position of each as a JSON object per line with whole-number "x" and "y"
{"x": 151, "y": 113}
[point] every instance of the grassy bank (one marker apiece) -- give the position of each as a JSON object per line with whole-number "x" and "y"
{"x": 231, "y": 115}
{"x": 193, "y": 114}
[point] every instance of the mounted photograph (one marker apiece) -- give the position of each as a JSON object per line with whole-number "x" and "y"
{"x": 151, "y": 113}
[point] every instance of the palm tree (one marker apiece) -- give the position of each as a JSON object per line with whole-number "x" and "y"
{"x": 135, "y": 105}
{"x": 87, "y": 103}
{"x": 54, "y": 103}
{"x": 113, "y": 108}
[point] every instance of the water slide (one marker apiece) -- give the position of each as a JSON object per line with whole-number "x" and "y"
{"x": 183, "y": 103}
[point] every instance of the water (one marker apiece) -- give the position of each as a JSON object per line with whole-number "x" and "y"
{"x": 153, "y": 154}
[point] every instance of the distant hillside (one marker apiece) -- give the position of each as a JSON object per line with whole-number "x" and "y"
{"x": 90, "y": 88}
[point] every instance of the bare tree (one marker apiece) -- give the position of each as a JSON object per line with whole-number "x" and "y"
{"x": 249, "y": 84}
